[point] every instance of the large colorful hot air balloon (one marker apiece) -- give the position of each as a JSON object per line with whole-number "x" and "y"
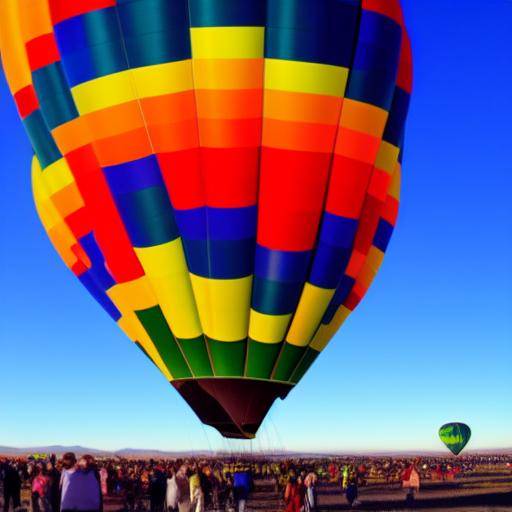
{"x": 221, "y": 175}
{"x": 455, "y": 436}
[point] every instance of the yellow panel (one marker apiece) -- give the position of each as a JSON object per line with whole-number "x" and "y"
{"x": 387, "y": 157}
{"x": 311, "y": 309}
{"x": 227, "y": 42}
{"x": 135, "y": 295}
{"x": 58, "y": 232}
{"x": 161, "y": 79}
{"x": 131, "y": 326}
{"x": 103, "y": 92}
{"x": 167, "y": 271}
{"x": 394, "y": 188}
{"x": 363, "y": 117}
{"x": 57, "y": 176}
{"x": 268, "y": 328}
{"x": 287, "y": 75}
{"x": 326, "y": 332}
{"x": 223, "y": 306}
{"x": 132, "y": 84}
{"x": 12, "y": 47}
{"x": 375, "y": 258}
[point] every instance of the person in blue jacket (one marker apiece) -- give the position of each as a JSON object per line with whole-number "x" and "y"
{"x": 242, "y": 486}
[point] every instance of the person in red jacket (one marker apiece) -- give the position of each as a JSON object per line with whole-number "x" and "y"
{"x": 294, "y": 495}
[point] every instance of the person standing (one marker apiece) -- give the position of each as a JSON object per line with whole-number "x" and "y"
{"x": 242, "y": 486}
{"x": 172, "y": 492}
{"x": 157, "y": 490}
{"x": 80, "y": 485}
{"x": 54, "y": 489}
{"x": 12, "y": 487}
{"x": 294, "y": 495}
{"x": 351, "y": 492}
{"x": 41, "y": 491}
{"x": 183, "y": 489}
{"x": 196, "y": 492}
{"x": 310, "y": 494}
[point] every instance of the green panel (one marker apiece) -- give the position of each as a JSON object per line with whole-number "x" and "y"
{"x": 197, "y": 356}
{"x": 308, "y": 359}
{"x": 156, "y": 326}
{"x": 261, "y": 358}
{"x": 288, "y": 360}
{"x": 228, "y": 357}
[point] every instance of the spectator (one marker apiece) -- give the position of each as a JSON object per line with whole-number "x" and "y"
{"x": 12, "y": 487}
{"x": 80, "y": 485}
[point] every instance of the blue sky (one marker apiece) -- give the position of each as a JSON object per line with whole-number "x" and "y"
{"x": 431, "y": 343}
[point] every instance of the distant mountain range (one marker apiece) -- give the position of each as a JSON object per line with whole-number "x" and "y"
{"x": 152, "y": 453}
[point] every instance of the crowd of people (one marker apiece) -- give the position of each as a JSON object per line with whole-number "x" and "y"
{"x": 222, "y": 484}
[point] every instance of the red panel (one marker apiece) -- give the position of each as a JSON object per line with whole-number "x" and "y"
{"x": 79, "y": 223}
{"x": 292, "y": 191}
{"x": 63, "y": 9}
{"x": 389, "y": 8}
{"x": 230, "y": 176}
{"x": 182, "y": 175}
{"x": 368, "y": 224}
{"x": 347, "y": 187}
{"x": 109, "y": 230}
{"x": 42, "y": 51}
{"x": 390, "y": 210}
{"x": 405, "y": 68}
{"x": 26, "y": 101}
{"x": 379, "y": 185}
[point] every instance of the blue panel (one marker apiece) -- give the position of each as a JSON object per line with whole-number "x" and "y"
{"x": 328, "y": 265}
{"x": 282, "y": 265}
{"x": 226, "y": 13}
{"x": 53, "y": 93}
{"x": 312, "y": 31}
{"x": 135, "y": 175}
{"x": 217, "y": 223}
{"x": 395, "y": 126}
{"x": 44, "y": 146}
{"x": 383, "y": 235}
{"x": 275, "y": 298}
{"x": 91, "y": 63}
{"x": 375, "y": 88}
{"x": 91, "y": 45}
{"x": 336, "y": 230}
{"x": 103, "y": 279}
{"x": 148, "y": 216}
{"x": 93, "y": 28}
{"x": 155, "y": 31}
{"x": 220, "y": 259}
{"x": 88, "y": 280}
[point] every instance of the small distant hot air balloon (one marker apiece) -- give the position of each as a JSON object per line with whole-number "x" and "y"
{"x": 455, "y": 436}
{"x": 223, "y": 176}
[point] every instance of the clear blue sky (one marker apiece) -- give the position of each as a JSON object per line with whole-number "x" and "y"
{"x": 431, "y": 343}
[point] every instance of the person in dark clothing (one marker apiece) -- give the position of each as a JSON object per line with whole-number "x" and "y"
{"x": 157, "y": 490}
{"x": 12, "y": 487}
{"x": 54, "y": 491}
{"x": 351, "y": 492}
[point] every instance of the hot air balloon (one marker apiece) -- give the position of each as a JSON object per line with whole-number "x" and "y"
{"x": 222, "y": 176}
{"x": 455, "y": 436}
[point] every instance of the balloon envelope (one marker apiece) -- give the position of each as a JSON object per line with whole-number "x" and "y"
{"x": 455, "y": 436}
{"x": 222, "y": 176}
